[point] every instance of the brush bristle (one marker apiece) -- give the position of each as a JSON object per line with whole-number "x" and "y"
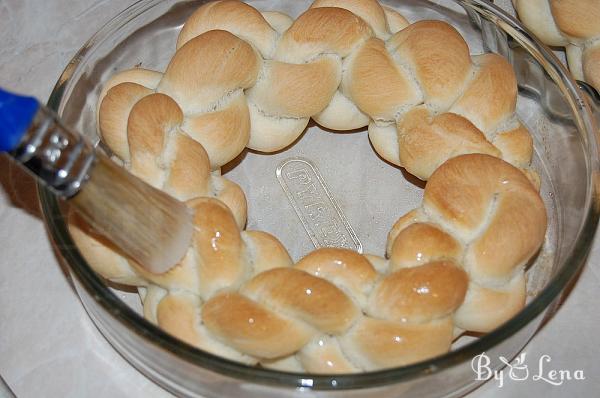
{"x": 151, "y": 227}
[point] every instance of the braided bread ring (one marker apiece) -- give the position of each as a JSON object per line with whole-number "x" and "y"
{"x": 237, "y": 293}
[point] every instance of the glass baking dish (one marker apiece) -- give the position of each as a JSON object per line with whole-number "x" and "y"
{"x": 550, "y": 104}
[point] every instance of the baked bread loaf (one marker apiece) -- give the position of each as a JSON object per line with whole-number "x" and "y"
{"x": 241, "y": 78}
{"x": 573, "y": 24}
{"x": 237, "y": 293}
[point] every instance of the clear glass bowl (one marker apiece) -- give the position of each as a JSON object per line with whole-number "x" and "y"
{"x": 566, "y": 156}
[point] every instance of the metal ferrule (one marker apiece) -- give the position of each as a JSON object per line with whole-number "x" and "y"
{"x": 59, "y": 157}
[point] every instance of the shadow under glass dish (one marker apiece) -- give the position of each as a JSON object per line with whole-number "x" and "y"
{"x": 549, "y": 104}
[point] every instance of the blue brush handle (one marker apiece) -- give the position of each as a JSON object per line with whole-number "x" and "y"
{"x": 16, "y": 114}
{"x": 36, "y": 139}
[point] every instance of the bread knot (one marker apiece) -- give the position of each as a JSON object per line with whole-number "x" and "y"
{"x": 488, "y": 217}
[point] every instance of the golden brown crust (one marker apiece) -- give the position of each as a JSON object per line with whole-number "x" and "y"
{"x": 465, "y": 100}
{"x": 310, "y": 300}
{"x": 319, "y": 31}
{"x": 332, "y": 65}
{"x": 462, "y": 190}
{"x": 144, "y": 129}
{"x": 218, "y": 245}
{"x": 291, "y": 90}
{"x": 324, "y": 355}
{"x": 489, "y": 207}
{"x": 223, "y": 133}
{"x": 406, "y": 220}
{"x": 377, "y": 86}
{"x": 516, "y": 229}
{"x": 491, "y": 96}
{"x": 241, "y": 78}
{"x": 197, "y": 81}
{"x": 421, "y": 243}
{"x": 233, "y": 16}
{"x": 114, "y": 115}
{"x": 485, "y": 309}
{"x": 419, "y": 294}
{"x": 369, "y": 11}
{"x": 232, "y": 195}
{"x": 302, "y": 296}
{"x": 570, "y": 23}
{"x": 577, "y": 18}
{"x": 140, "y": 76}
{"x": 516, "y": 146}
{"x": 339, "y": 311}
{"x": 345, "y": 268}
{"x": 438, "y": 56}
{"x": 426, "y": 141}
{"x": 379, "y": 344}
{"x": 493, "y": 195}
{"x": 177, "y": 315}
{"x": 189, "y": 174}
{"x": 150, "y": 120}
{"x": 251, "y": 328}
{"x": 267, "y": 252}
{"x": 536, "y": 14}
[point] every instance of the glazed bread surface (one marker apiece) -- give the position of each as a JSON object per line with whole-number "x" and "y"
{"x": 238, "y": 294}
{"x": 241, "y": 78}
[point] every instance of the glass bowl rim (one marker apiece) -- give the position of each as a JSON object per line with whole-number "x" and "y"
{"x": 153, "y": 335}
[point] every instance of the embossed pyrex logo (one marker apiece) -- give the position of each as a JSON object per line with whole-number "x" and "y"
{"x": 312, "y": 201}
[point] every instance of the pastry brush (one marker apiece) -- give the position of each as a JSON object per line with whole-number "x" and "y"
{"x": 149, "y": 226}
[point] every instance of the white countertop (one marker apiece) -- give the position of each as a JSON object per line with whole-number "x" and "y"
{"x": 49, "y": 347}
